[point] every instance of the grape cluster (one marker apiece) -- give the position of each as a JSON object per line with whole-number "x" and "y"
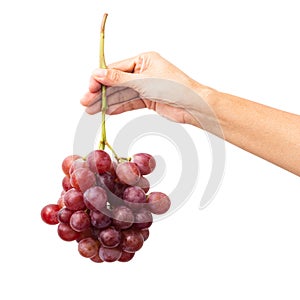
{"x": 106, "y": 205}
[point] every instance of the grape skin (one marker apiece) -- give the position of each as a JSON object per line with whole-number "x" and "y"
{"x": 128, "y": 173}
{"x": 95, "y": 198}
{"x": 123, "y": 217}
{"x": 67, "y": 163}
{"x": 66, "y": 233}
{"x": 73, "y": 200}
{"x": 109, "y": 254}
{"x": 99, "y": 161}
{"x": 88, "y": 247}
{"x": 80, "y": 221}
{"x": 110, "y": 237}
{"x": 126, "y": 256}
{"x": 82, "y": 179}
{"x": 99, "y": 220}
{"x": 158, "y": 203}
{"x": 49, "y": 214}
{"x": 145, "y": 162}
{"x": 132, "y": 240}
{"x": 142, "y": 219}
{"x": 64, "y": 215}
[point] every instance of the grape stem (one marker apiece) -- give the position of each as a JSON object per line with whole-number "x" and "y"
{"x": 102, "y": 65}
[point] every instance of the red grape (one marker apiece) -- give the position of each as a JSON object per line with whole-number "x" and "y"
{"x": 110, "y": 237}
{"x": 126, "y": 256}
{"x": 128, "y": 173}
{"x": 73, "y": 200}
{"x": 143, "y": 219}
{"x": 66, "y": 233}
{"x": 134, "y": 197}
{"x": 145, "y": 162}
{"x": 88, "y": 247}
{"x": 158, "y": 203}
{"x": 123, "y": 217}
{"x": 96, "y": 258}
{"x": 99, "y": 161}
{"x": 82, "y": 179}
{"x": 64, "y": 215}
{"x": 106, "y": 180}
{"x": 132, "y": 240}
{"x": 104, "y": 206}
{"x": 67, "y": 163}
{"x": 145, "y": 233}
{"x": 95, "y": 198}
{"x": 66, "y": 183}
{"x": 109, "y": 254}
{"x": 77, "y": 164}
{"x": 49, "y": 214}
{"x": 80, "y": 221}
{"x": 99, "y": 220}
{"x": 144, "y": 184}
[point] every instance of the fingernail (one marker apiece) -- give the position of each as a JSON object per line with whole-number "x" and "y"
{"x": 100, "y": 73}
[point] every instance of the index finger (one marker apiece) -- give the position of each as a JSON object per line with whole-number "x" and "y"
{"x": 127, "y": 65}
{"x": 94, "y": 85}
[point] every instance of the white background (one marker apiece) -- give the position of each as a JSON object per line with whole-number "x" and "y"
{"x": 244, "y": 245}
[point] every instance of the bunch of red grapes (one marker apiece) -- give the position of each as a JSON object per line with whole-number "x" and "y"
{"x": 105, "y": 205}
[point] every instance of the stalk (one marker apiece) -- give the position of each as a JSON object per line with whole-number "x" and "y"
{"x": 102, "y": 65}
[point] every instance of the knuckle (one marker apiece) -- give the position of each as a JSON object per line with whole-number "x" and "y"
{"x": 113, "y": 76}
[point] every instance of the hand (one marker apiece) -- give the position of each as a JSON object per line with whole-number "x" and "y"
{"x": 147, "y": 81}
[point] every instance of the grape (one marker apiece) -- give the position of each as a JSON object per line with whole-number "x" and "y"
{"x": 99, "y": 161}
{"x": 82, "y": 179}
{"x": 144, "y": 184}
{"x": 126, "y": 256}
{"x": 61, "y": 201}
{"x": 80, "y": 221}
{"x": 128, "y": 173}
{"x": 96, "y": 258}
{"x": 95, "y": 198}
{"x": 123, "y": 217}
{"x": 132, "y": 240}
{"x": 145, "y": 162}
{"x": 66, "y": 233}
{"x": 106, "y": 180}
{"x": 77, "y": 164}
{"x": 119, "y": 189}
{"x": 99, "y": 220}
{"x": 145, "y": 233}
{"x": 135, "y": 196}
{"x": 86, "y": 234}
{"x": 67, "y": 163}
{"x": 143, "y": 219}
{"x": 110, "y": 237}
{"x": 49, "y": 214}
{"x": 73, "y": 200}
{"x": 64, "y": 215}
{"x": 88, "y": 247}
{"x": 109, "y": 254}
{"x": 104, "y": 207}
{"x": 66, "y": 183}
{"x": 158, "y": 203}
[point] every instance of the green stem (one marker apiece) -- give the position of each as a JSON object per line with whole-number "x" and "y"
{"x": 102, "y": 65}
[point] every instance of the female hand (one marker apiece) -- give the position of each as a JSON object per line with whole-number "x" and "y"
{"x": 147, "y": 81}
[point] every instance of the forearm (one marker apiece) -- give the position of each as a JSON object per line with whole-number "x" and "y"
{"x": 266, "y": 132}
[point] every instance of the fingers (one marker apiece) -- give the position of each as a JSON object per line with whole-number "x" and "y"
{"x": 126, "y": 106}
{"x": 113, "y": 77}
{"x": 114, "y": 96}
{"x": 126, "y": 65}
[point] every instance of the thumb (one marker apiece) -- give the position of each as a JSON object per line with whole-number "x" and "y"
{"x": 112, "y": 77}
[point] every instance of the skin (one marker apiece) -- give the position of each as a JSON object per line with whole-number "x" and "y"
{"x": 266, "y": 132}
